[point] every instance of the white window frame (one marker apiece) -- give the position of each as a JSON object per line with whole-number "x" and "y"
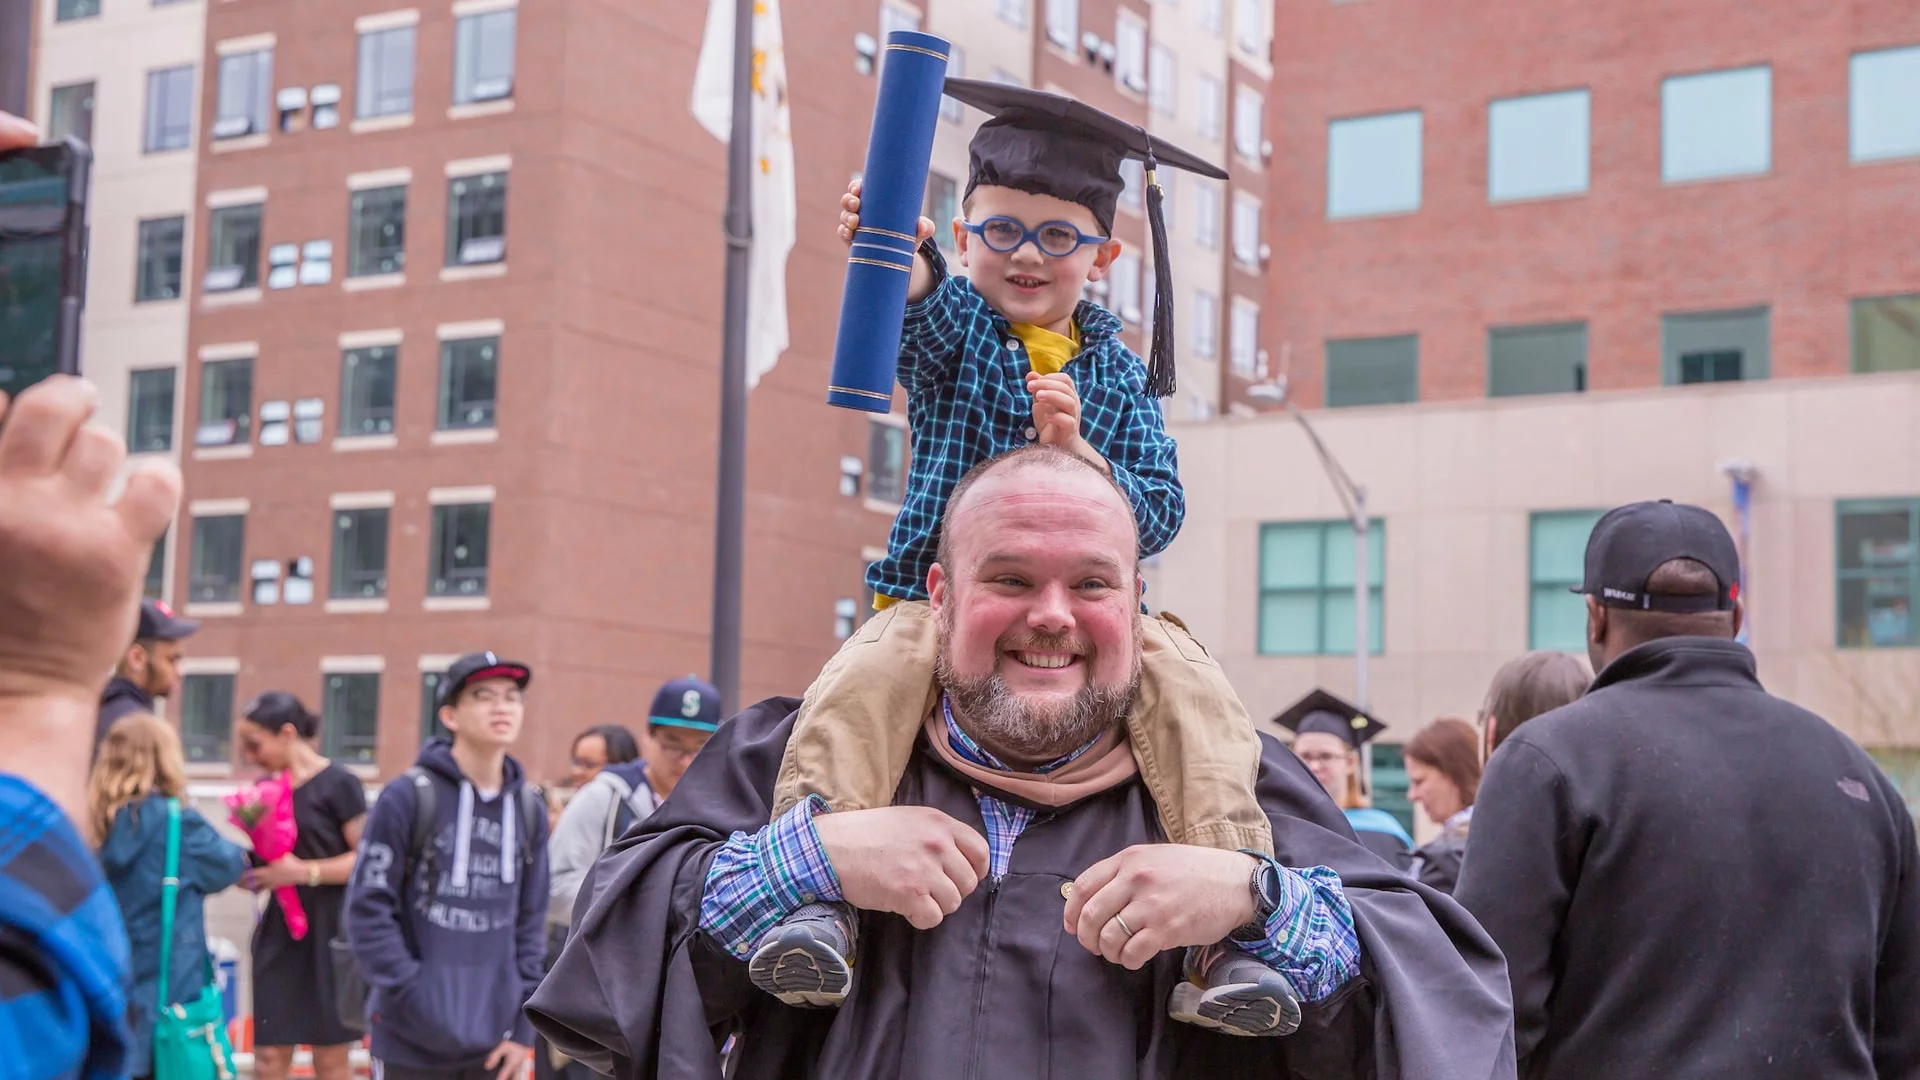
{"x": 1063, "y": 24}
{"x": 1250, "y": 28}
{"x": 1206, "y": 324}
{"x": 1130, "y": 52}
{"x": 1163, "y": 79}
{"x": 1012, "y": 12}
{"x": 1249, "y": 118}
{"x": 1210, "y": 103}
{"x": 1206, "y": 215}
{"x": 1246, "y": 230}
{"x": 1213, "y": 17}
{"x": 1243, "y": 338}
{"x": 1123, "y": 287}
{"x": 950, "y": 110}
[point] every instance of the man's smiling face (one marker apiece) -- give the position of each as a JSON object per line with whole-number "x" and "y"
{"x": 1039, "y": 612}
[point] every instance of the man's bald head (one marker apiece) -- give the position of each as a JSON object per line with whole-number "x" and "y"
{"x": 1032, "y": 458}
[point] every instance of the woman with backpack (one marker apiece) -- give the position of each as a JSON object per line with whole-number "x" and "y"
{"x": 293, "y": 979}
{"x": 136, "y": 796}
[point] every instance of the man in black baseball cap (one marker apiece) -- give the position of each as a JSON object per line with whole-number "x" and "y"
{"x": 1689, "y": 877}
{"x": 148, "y": 669}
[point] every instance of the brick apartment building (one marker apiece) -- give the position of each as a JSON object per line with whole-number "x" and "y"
{"x": 1536, "y": 261}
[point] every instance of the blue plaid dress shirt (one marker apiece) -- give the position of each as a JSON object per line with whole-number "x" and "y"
{"x": 756, "y": 880}
{"x": 965, "y": 374}
{"x": 63, "y": 948}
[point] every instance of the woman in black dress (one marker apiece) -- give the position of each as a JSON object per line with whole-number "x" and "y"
{"x": 293, "y": 980}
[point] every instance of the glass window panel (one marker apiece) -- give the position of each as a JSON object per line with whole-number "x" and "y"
{"x": 1336, "y": 631}
{"x": 367, "y": 390}
{"x": 206, "y": 718}
{"x": 468, "y": 372}
{"x": 1373, "y": 371}
{"x": 386, "y": 73}
{"x": 350, "y": 717}
{"x": 359, "y": 554}
{"x": 70, "y": 112}
{"x": 65, "y": 10}
{"x": 233, "y": 248}
{"x": 1373, "y": 165}
{"x": 942, "y": 206}
{"x": 460, "y": 540}
{"x": 226, "y": 403}
{"x": 1884, "y": 106}
{"x": 1337, "y": 555}
{"x": 1878, "y": 558}
{"x": 1537, "y": 359}
{"x": 430, "y": 726}
{"x": 1063, "y": 23}
{"x": 1886, "y": 334}
{"x": 218, "y": 544}
{"x": 1715, "y": 124}
{"x": 155, "y": 585}
{"x": 1290, "y": 624}
{"x": 377, "y": 232}
{"x": 1878, "y": 538}
{"x": 483, "y": 57}
{"x": 1715, "y": 346}
{"x": 1556, "y": 619}
{"x": 886, "y": 461}
{"x": 1559, "y": 546}
{"x": 150, "y": 410}
{"x": 162, "y": 245}
{"x": 477, "y": 219}
{"x": 1290, "y": 556}
{"x": 241, "y": 100}
{"x": 169, "y": 109}
{"x": 1538, "y": 146}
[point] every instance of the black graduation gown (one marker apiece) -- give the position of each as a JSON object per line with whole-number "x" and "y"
{"x": 998, "y": 990}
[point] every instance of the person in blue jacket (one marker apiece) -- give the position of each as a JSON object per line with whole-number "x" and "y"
{"x": 1328, "y": 735}
{"x": 139, "y": 768}
{"x": 452, "y": 938}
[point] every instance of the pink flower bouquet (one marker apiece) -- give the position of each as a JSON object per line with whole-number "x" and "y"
{"x": 265, "y": 813}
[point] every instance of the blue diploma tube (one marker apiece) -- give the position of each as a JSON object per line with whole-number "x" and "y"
{"x": 866, "y": 348}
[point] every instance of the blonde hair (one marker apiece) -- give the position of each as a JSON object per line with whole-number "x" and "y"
{"x": 140, "y": 756}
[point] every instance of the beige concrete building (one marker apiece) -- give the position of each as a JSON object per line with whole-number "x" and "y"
{"x": 1484, "y": 508}
{"x": 125, "y": 77}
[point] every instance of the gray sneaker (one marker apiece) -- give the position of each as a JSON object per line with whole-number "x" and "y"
{"x": 806, "y": 959}
{"x": 1234, "y": 993}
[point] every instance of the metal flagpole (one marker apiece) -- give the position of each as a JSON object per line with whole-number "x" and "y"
{"x": 730, "y": 503}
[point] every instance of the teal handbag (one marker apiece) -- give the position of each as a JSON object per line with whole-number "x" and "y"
{"x": 189, "y": 1039}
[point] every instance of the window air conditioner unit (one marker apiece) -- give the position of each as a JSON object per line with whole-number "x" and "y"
{"x": 493, "y": 89}
{"x": 223, "y": 279}
{"x": 232, "y": 127}
{"x": 483, "y": 249}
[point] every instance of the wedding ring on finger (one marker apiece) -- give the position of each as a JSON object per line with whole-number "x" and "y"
{"x": 1124, "y": 928}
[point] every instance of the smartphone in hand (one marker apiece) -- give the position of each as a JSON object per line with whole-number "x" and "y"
{"x": 43, "y": 260}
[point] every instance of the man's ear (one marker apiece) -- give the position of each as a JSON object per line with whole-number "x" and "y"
{"x": 936, "y": 587}
{"x": 1596, "y": 621}
{"x": 1739, "y": 617}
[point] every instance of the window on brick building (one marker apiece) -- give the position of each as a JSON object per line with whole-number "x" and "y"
{"x": 458, "y": 558}
{"x": 1206, "y": 215}
{"x": 950, "y": 110}
{"x": 1886, "y": 334}
{"x": 1884, "y": 105}
{"x": 886, "y": 460}
{"x": 350, "y": 717}
{"x": 477, "y": 219}
{"x": 1210, "y": 104}
{"x": 233, "y": 248}
{"x": 469, "y": 370}
{"x": 1716, "y": 124}
{"x": 1373, "y": 371}
{"x": 1063, "y": 22}
{"x": 1133, "y": 179}
{"x": 150, "y": 410}
{"x": 942, "y": 206}
{"x": 244, "y": 89}
{"x": 1243, "y": 339}
{"x": 1163, "y": 80}
{"x": 1544, "y": 359}
{"x": 1246, "y": 230}
{"x": 226, "y": 403}
{"x": 1714, "y": 346}
{"x": 1248, "y": 134}
{"x": 1123, "y": 287}
{"x": 155, "y": 585}
{"x": 367, "y": 377}
{"x": 1373, "y": 165}
{"x": 377, "y": 231}
{"x": 483, "y": 57}
{"x": 1206, "y": 323}
{"x": 385, "y": 86}
{"x": 206, "y": 718}
{"x": 218, "y": 544}
{"x": 430, "y": 725}
{"x": 1538, "y": 146}
{"x": 360, "y": 554}
{"x": 1130, "y": 52}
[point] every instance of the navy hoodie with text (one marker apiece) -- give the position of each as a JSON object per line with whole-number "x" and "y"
{"x": 448, "y": 981}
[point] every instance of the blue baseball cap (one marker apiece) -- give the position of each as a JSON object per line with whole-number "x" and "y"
{"x": 688, "y": 703}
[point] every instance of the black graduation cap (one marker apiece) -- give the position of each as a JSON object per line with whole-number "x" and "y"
{"x": 1323, "y": 712}
{"x": 1046, "y": 144}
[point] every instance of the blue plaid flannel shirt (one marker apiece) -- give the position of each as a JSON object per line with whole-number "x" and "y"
{"x": 965, "y": 374}
{"x": 756, "y": 880}
{"x": 63, "y": 948}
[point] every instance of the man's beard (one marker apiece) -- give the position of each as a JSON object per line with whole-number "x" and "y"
{"x": 1021, "y": 732}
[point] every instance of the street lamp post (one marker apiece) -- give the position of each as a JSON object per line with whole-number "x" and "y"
{"x": 1354, "y": 498}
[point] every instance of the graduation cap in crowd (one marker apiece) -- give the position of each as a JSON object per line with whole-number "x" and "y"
{"x": 1322, "y": 712}
{"x": 1046, "y": 144}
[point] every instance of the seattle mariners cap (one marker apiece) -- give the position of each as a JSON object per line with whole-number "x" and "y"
{"x": 688, "y": 703}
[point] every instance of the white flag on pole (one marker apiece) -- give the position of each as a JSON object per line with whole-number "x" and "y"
{"x": 772, "y": 182}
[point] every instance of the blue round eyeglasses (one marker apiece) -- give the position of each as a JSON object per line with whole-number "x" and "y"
{"x": 1056, "y": 238}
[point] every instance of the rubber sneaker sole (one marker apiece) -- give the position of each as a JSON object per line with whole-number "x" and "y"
{"x": 801, "y": 970}
{"x": 1245, "y": 1009}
